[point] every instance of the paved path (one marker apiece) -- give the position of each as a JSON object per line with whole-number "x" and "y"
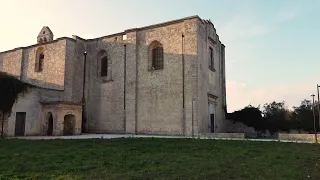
{"x": 113, "y": 136}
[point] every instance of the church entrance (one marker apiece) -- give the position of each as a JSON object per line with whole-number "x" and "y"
{"x": 68, "y": 124}
{"x": 20, "y": 123}
{"x": 211, "y": 118}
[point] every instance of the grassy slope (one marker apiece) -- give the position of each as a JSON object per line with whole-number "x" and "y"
{"x": 157, "y": 159}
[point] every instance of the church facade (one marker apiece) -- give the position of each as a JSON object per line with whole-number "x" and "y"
{"x": 162, "y": 79}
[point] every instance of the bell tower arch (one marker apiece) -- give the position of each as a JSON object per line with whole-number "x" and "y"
{"x": 45, "y": 35}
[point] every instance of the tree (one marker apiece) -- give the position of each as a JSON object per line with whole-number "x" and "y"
{"x": 277, "y": 116}
{"x": 250, "y": 116}
{"x": 10, "y": 89}
{"x": 303, "y": 116}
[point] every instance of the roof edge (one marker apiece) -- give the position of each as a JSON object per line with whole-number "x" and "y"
{"x": 148, "y": 27}
{"x": 168, "y": 22}
{"x": 116, "y": 34}
{"x": 34, "y": 45}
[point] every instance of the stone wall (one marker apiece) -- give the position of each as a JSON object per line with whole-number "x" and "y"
{"x": 30, "y": 103}
{"x": 105, "y": 95}
{"x": 132, "y": 98}
{"x": 10, "y": 62}
{"x": 53, "y": 73}
{"x": 59, "y": 112}
{"x": 160, "y": 91}
{"x": 152, "y": 101}
{"x": 131, "y": 65}
{"x": 75, "y": 63}
{"x": 298, "y": 137}
{"x": 210, "y": 80}
{"x": 222, "y": 135}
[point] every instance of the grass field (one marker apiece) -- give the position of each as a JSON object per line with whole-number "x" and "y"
{"x": 142, "y": 159}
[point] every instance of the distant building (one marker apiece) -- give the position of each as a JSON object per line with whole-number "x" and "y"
{"x": 166, "y": 78}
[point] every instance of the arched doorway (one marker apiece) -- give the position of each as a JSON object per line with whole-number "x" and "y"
{"x": 212, "y": 117}
{"x": 50, "y": 124}
{"x": 68, "y": 124}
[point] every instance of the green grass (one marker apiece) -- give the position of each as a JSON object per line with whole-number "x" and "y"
{"x": 142, "y": 159}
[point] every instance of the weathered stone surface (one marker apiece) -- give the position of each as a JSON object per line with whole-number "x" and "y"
{"x": 11, "y": 62}
{"x": 132, "y": 98}
{"x": 297, "y": 137}
{"x": 52, "y": 76}
{"x": 60, "y": 113}
{"x": 222, "y": 135}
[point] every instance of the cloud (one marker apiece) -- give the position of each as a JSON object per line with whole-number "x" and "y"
{"x": 241, "y": 27}
{"x": 287, "y": 15}
{"x": 244, "y": 26}
{"x": 258, "y": 30}
{"x": 237, "y": 33}
{"x": 239, "y": 95}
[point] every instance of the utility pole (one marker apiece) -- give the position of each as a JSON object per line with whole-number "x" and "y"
{"x": 314, "y": 120}
{"x": 84, "y": 120}
{"x": 318, "y": 105}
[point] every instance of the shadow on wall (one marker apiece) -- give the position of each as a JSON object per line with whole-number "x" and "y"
{"x": 44, "y": 84}
{"x": 46, "y": 94}
{"x": 38, "y": 83}
{"x": 159, "y": 91}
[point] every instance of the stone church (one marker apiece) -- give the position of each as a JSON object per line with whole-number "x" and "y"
{"x": 162, "y": 79}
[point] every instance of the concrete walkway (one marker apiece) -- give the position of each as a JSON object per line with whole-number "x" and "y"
{"x": 114, "y": 136}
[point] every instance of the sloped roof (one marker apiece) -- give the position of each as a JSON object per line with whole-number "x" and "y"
{"x": 45, "y": 28}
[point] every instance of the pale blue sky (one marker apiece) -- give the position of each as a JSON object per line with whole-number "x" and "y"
{"x": 272, "y": 50}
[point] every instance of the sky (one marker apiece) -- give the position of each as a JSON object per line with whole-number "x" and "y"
{"x": 272, "y": 50}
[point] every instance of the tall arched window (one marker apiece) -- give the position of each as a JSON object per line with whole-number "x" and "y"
{"x": 104, "y": 66}
{"x": 156, "y": 55}
{"x": 39, "y": 60}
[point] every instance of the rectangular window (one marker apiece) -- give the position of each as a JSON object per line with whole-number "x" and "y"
{"x": 210, "y": 58}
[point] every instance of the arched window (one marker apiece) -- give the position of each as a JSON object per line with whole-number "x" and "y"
{"x": 156, "y": 55}
{"x": 104, "y": 66}
{"x": 44, "y": 39}
{"x": 39, "y": 60}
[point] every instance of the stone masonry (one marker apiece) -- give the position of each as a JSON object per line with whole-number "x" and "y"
{"x": 133, "y": 97}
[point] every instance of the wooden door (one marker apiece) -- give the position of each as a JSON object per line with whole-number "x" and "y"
{"x": 20, "y": 123}
{"x": 50, "y": 126}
